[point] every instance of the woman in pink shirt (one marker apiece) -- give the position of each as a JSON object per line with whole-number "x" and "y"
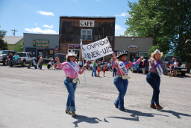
{"x": 71, "y": 70}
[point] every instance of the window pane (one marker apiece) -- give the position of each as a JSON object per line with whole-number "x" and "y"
{"x": 86, "y": 34}
{"x": 83, "y": 32}
{"x": 89, "y": 32}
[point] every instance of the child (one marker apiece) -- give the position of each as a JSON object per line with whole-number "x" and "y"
{"x": 98, "y": 70}
{"x": 104, "y": 69}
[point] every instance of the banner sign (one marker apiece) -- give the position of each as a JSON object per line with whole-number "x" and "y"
{"x": 96, "y": 49}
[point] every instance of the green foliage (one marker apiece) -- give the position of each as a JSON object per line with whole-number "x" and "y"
{"x": 18, "y": 47}
{"x": 166, "y": 21}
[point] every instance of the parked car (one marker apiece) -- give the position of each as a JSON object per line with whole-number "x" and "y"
{"x": 4, "y": 56}
{"x": 22, "y": 58}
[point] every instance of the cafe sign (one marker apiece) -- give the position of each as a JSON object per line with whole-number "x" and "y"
{"x": 87, "y": 23}
{"x": 40, "y": 43}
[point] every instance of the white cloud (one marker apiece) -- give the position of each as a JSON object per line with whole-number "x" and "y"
{"x": 40, "y": 30}
{"x": 123, "y": 14}
{"x": 48, "y": 26}
{"x": 119, "y": 30}
{"x": 45, "y": 13}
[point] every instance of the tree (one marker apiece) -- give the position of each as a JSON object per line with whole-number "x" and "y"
{"x": 168, "y": 22}
{"x": 145, "y": 20}
{"x": 182, "y": 30}
{"x": 3, "y": 44}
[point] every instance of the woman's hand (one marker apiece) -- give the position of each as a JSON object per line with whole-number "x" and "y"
{"x": 57, "y": 60}
{"x": 84, "y": 68}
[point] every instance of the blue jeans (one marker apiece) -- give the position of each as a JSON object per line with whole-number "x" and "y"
{"x": 154, "y": 80}
{"x": 71, "y": 87}
{"x": 94, "y": 72}
{"x": 121, "y": 86}
{"x": 114, "y": 72}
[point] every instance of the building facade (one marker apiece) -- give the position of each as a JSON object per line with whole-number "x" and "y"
{"x": 41, "y": 44}
{"x": 87, "y": 29}
{"x": 134, "y": 46}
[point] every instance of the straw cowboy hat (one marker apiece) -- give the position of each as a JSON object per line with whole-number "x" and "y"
{"x": 71, "y": 54}
{"x": 156, "y": 52}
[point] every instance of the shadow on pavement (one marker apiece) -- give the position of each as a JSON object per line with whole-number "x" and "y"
{"x": 125, "y": 118}
{"x": 81, "y": 118}
{"x": 176, "y": 114}
{"x": 136, "y": 114}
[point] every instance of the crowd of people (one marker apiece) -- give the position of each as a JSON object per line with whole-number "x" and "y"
{"x": 100, "y": 66}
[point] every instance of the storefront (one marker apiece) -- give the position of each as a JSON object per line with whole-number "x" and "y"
{"x": 41, "y": 44}
{"x": 87, "y": 29}
{"x": 134, "y": 46}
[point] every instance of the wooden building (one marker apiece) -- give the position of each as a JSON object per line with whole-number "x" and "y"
{"x": 87, "y": 29}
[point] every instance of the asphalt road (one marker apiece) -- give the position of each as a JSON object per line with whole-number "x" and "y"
{"x": 36, "y": 99}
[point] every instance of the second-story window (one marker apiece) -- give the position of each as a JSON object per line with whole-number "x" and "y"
{"x": 86, "y": 34}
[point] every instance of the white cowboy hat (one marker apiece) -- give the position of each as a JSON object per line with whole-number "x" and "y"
{"x": 156, "y": 52}
{"x": 71, "y": 54}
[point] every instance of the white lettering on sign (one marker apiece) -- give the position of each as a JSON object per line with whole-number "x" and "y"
{"x": 97, "y": 49}
{"x": 87, "y": 23}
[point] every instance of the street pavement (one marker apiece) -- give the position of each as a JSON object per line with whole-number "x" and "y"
{"x": 32, "y": 98}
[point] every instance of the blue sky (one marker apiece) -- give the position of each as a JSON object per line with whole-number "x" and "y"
{"x": 42, "y": 16}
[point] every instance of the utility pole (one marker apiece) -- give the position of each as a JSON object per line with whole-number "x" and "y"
{"x": 14, "y": 31}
